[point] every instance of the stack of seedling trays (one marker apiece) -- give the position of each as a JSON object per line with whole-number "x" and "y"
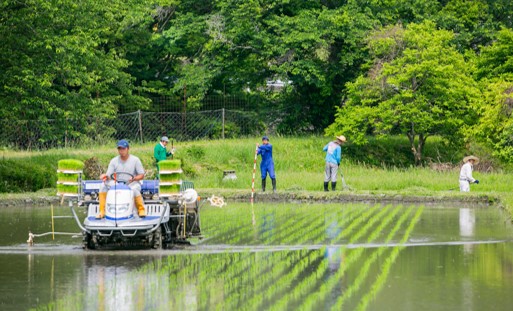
{"x": 69, "y": 175}
{"x": 170, "y": 172}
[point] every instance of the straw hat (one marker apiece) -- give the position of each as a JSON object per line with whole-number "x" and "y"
{"x": 341, "y": 138}
{"x": 471, "y": 157}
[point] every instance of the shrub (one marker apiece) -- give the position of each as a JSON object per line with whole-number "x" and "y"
{"x": 28, "y": 176}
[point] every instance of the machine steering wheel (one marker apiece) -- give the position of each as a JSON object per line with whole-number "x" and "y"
{"x": 114, "y": 176}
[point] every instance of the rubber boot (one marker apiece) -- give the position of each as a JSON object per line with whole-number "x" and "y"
{"x": 326, "y": 186}
{"x": 140, "y": 206}
{"x": 263, "y": 185}
{"x": 273, "y": 180}
{"x": 103, "y": 198}
{"x": 333, "y": 185}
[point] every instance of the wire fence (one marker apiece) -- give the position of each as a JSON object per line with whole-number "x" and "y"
{"x": 136, "y": 126}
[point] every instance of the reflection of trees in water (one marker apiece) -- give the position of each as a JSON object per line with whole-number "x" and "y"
{"x": 258, "y": 278}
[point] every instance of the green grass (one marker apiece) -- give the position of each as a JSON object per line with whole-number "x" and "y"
{"x": 299, "y": 164}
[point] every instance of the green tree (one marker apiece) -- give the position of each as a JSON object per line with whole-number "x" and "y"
{"x": 62, "y": 60}
{"x": 417, "y": 85}
{"x": 471, "y": 21}
{"x": 495, "y": 127}
{"x": 495, "y": 71}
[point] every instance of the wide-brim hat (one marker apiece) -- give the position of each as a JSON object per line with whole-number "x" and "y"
{"x": 471, "y": 157}
{"x": 341, "y": 138}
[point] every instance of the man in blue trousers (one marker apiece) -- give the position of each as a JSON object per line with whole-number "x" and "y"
{"x": 267, "y": 164}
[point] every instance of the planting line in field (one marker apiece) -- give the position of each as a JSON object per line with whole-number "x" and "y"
{"x": 226, "y": 268}
{"x": 304, "y": 231}
{"x": 280, "y": 287}
{"x": 385, "y": 269}
{"x": 303, "y": 287}
{"x": 227, "y": 232}
{"x": 269, "y": 224}
{"x": 262, "y": 277}
{"x": 292, "y": 238}
{"x": 297, "y": 226}
{"x": 354, "y": 224}
{"x": 327, "y": 286}
{"x": 322, "y": 237}
{"x": 271, "y": 280}
{"x": 355, "y": 285}
{"x": 310, "y": 235}
{"x": 278, "y": 214}
{"x": 368, "y": 223}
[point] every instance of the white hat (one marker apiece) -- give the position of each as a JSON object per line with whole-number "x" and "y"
{"x": 471, "y": 157}
{"x": 342, "y": 138}
{"x": 164, "y": 138}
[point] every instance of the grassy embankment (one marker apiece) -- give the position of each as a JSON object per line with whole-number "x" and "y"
{"x": 299, "y": 167}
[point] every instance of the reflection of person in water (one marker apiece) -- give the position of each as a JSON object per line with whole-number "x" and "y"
{"x": 334, "y": 256}
{"x": 268, "y": 224}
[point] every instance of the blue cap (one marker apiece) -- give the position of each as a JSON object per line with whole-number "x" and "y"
{"x": 123, "y": 144}
{"x": 265, "y": 138}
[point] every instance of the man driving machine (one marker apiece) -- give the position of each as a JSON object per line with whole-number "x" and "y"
{"x": 125, "y": 168}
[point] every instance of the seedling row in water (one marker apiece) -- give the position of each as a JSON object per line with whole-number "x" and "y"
{"x": 280, "y": 278}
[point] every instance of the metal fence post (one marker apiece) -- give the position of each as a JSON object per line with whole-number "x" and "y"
{"x": 140, "y": 125}
{"x": 223, "y": 124}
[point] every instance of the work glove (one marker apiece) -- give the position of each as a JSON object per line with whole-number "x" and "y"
{"x": 476, "y": 181}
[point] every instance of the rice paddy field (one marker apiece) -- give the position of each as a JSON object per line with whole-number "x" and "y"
{"x": 447, "y": 251}
{"x": 275, "y": 257}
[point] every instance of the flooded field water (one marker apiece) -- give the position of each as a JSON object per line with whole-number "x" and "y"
{"x": 272, "y": 257}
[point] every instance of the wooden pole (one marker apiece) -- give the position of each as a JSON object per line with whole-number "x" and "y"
{"x": 254, "y": 171}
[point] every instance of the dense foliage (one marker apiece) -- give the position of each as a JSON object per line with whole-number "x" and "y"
{"x": 416, "y": 67}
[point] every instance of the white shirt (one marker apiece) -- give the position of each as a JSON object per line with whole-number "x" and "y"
{"x": 466, "y": 173}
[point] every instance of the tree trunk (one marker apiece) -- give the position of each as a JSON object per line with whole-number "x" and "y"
{"x": 416, "y": 149}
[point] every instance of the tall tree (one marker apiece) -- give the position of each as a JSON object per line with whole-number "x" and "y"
{"x": 418, "y": 85}
{"x": 495, "y": 71}
{"x": 60, "y": 59}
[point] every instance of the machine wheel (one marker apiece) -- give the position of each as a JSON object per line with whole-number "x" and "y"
{"x": 157, "y": 238}
{"x": 87, "y": 242}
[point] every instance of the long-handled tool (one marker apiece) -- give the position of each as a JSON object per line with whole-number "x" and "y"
{"x": 253, "y": 220}
{"x": 254, "y": 171}
{"x": 344, "y": 185}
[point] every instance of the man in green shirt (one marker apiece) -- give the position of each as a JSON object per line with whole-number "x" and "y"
{"x": 160, "y": 152}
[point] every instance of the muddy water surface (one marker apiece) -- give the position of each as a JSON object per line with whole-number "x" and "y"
{"x": 281, "y": 257}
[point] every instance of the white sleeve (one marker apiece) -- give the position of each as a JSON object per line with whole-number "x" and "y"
{"x": 468, "y": 173}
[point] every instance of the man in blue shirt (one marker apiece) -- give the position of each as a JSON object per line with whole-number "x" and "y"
{"x": 333, "y": 157}
{"x": 267, "y": 164}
